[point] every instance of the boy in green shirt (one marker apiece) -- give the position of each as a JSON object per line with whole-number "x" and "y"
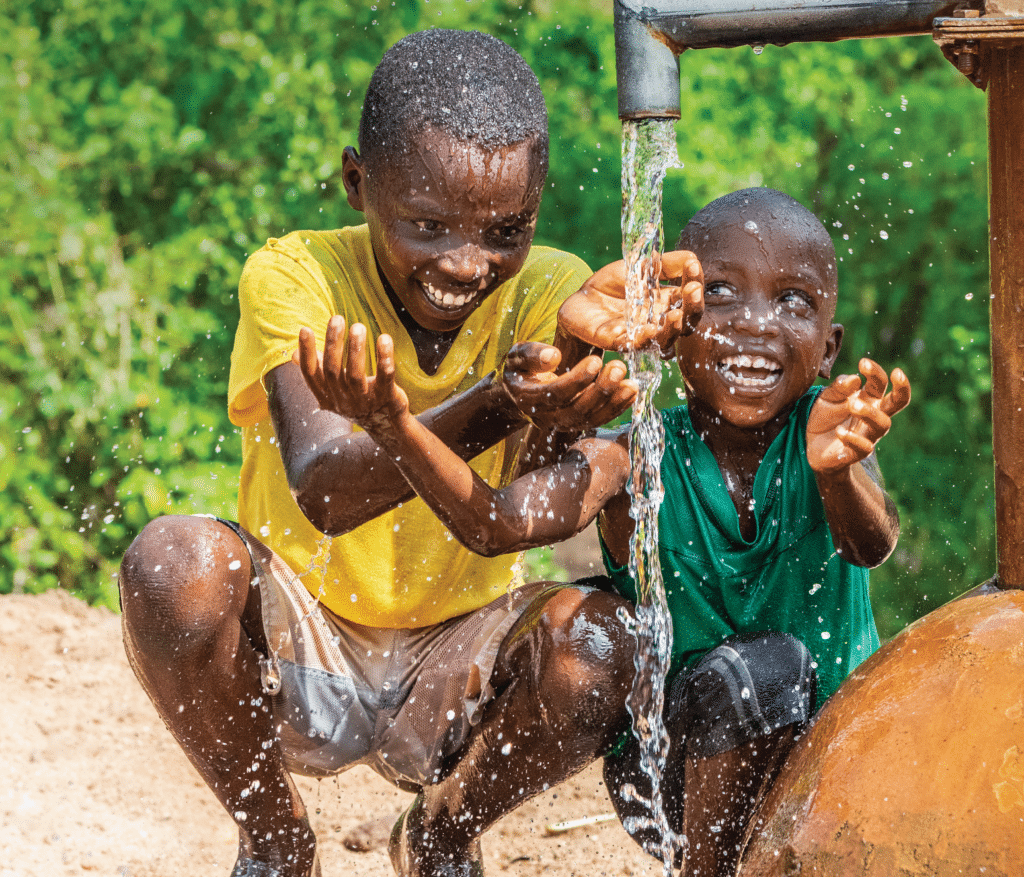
{"x": 774, "y": 509}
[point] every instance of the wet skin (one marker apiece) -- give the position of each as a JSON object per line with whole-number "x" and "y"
{"x": 451, "y": 226}
{"x": 192, "y": 620}
{"x": 765, "y": 336}
{"x": 427, "y": 248}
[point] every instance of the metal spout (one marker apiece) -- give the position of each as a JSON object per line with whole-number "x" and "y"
{"x": 649, "y": 38}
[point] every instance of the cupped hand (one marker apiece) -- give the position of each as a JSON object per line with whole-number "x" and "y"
{"x": 596, "y": 314}
{"x": 338, "y": 377}
{"x": 849, "y": 417}
{"x": 587, "y": 396}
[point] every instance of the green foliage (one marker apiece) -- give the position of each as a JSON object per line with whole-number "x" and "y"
{"x": 148, "y": 147}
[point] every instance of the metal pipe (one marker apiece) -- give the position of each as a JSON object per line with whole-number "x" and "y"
{"x": 1006, "y": 253}
{"x": 649, "y": 37}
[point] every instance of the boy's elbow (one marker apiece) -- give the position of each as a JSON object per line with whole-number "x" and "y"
{"x": 308, "y": 492}
{"x": 488, "y": 541}
{"x": 869, "y": 559}
{"x": 317, "y": 513}
{"x": 491, "y": 536}
{"x": 872, "y": 552}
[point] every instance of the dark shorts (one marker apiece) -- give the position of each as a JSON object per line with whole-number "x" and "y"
{"x": 747, "y": 687}
{"x": 401, "y": 701}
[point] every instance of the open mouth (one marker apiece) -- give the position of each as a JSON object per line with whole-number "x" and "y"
{"x": 448, "y": 301}
{"x": 754, "y": 372}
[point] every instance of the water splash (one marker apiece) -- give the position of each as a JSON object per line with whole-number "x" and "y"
{"x": 648, "y": 151}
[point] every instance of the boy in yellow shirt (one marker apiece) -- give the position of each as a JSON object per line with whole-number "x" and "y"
{"x": 268, "y": 648}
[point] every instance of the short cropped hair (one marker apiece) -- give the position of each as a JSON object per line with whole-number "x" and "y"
{"x": 467, "y": 84}
{"x": 775, "y": 207}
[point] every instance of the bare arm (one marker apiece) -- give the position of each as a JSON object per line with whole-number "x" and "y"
{"x": 846, "y": 423}
{"x": 537, "y": 509}
{"x": 340, "y": 478}
{"x": 548, "y": 505}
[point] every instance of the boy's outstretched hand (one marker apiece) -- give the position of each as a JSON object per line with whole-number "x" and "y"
{"x": 587, "y": 396}
{"x": 849, "y": 418}
{"x": 596, "y": 314}
{"x": 338, "y": 378}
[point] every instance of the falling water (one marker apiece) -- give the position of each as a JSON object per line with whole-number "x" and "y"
{"x": 648, "y": 151}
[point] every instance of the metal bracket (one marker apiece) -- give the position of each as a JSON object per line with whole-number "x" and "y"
{"x": 967, "y": 39}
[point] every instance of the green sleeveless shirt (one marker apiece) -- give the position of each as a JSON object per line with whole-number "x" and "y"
{"x": 788, "y": 579}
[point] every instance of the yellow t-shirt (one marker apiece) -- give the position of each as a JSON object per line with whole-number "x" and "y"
{"x": 402, "y": 569}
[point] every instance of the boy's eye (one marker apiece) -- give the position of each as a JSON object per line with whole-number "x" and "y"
{"x": 718, "y": 290}
{"x": 796, "y": 300}
{"x": 427, "y": 224}
{"x": 509, "y": 234}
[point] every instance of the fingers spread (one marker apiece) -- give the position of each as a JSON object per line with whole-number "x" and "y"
{"x": 899, "y": 398}
{"x": 876, "y": 379}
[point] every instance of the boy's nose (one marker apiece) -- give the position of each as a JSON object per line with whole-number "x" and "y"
{"x": 465, "y": 264}
{"x": 757, "y": 317}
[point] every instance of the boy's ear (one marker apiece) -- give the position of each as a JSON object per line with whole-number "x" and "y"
{"x": 353, "y": 174}
{"x": 832, "y": 345}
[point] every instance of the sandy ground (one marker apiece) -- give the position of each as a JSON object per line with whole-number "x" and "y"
{"x": 92, "y": 783}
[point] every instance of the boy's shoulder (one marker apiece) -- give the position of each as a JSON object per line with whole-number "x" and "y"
{"x": 548, "y": 263}
{"x": 302, "y": 243}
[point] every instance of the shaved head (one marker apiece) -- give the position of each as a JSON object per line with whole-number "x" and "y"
{"x": 782, "y": 222}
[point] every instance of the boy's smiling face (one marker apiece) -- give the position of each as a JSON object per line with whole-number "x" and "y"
{"x": 449, "y": 222}
{"x": 767, "y": 330}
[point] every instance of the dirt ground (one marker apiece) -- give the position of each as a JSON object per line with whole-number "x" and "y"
{"x": 92, "y": 783}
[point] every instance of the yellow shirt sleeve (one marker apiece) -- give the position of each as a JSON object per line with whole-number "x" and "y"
{"x": 282, "y": 289}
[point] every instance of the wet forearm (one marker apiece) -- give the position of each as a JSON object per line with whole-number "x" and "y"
{"x": 462, "y": 500}
{"x": 861, "y": 516}
{"x": 346, "y": 479}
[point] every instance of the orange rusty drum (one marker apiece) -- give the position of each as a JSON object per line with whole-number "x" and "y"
{"x": 916, "y": 765}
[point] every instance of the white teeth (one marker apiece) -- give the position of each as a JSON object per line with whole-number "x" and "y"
{"x": 744, "y": 360}
{"x": 445, "y": 299}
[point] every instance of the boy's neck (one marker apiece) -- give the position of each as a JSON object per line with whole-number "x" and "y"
{"x": 431, "y": 347}
{"x": 727, "y": 440}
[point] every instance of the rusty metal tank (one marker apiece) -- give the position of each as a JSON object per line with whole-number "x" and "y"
{"x": 915, "y": 766}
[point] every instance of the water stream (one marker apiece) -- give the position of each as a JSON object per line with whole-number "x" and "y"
{"x": 648, "y": 151}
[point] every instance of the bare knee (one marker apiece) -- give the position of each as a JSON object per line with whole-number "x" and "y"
{"x": 181, "y": 580}
{"x": 587, "y": 665}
